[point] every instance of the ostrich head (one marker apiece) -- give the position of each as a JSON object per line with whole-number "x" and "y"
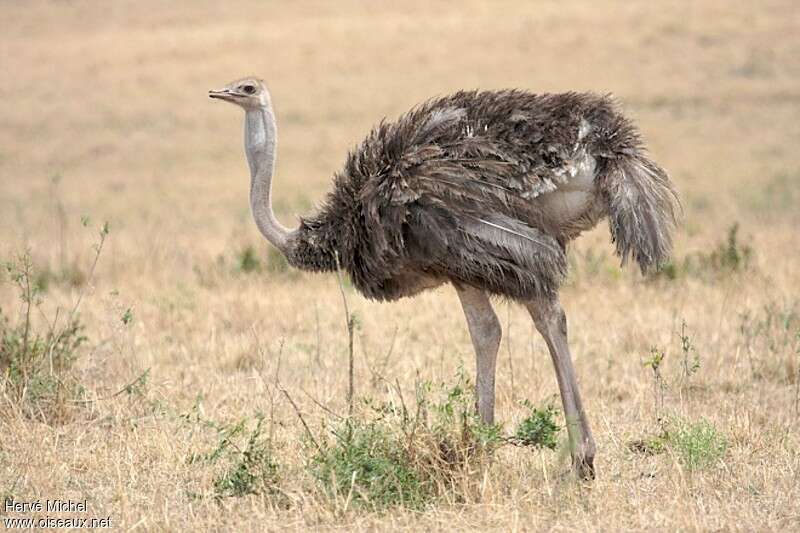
{"x": 247, "y": 93}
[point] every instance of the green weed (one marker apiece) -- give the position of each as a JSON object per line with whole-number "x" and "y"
{"x": 252, "y": 471}
{"x": 36, "y": 359}
{"x": 690, "y": 363}
{"x": 244, "y": 458}
{"x": 247, "y": 260}
{"x": 538, "y": 429}
{"x": 696, "y": 445}
{"x": 389, "y": 454}
{"x": 394, "y": 453}
{"x": 369, "y": 465}
{"x": 654, "y": 362}
{"x": 728, "y": 256}
{"x": 37, "y": 356}
{"x": 70, "y": 275}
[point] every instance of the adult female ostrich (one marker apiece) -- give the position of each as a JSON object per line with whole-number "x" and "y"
{"x": 482, "y": 190}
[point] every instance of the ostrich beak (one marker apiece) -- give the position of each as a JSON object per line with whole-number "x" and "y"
{"x": 223, "y": 94}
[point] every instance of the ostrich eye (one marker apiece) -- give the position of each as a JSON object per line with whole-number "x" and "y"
{"x": 249, "y": 89}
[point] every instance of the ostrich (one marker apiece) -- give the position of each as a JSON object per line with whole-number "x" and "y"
{"x": 482, "y": 190}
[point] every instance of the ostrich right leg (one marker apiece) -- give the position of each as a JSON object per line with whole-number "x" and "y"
{"x": 485, "y": 331}
{"x": 551, "y": 321}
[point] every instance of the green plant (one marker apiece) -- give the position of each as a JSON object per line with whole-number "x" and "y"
{"x": 368, "y": 464}
{"x": 69, "y": 274}
{"x": 36, "y": 361}
{"x": 37, "y": 357}
{"x": 455, "y": 428}
{"x": 252, "y": 471}
{"x": 247, "y": 260}
{"x": 653, "y": 362}
{"x": 697, "y": 444}
{"x": 538, "y": 429}
{"x": 245, "y": 460}
{"x": 669, "y": 271}
{"x": 728, "y": 256}
{"x": 389, "y": 454}
{"x": 591, "y": 265}
{"x": 37, "y": 365}
{"x": 691, "y": 360}
{"x": 774, "y": 196}
{"x": 127, "y": 316}
{"x": 731, "y": 255}
{"x": 454, "y": 411}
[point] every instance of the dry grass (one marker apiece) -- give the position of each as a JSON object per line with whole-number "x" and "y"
{"x": 110, "y": 97}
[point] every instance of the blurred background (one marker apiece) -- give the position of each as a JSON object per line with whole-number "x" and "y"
{"x": 110, "y": 99}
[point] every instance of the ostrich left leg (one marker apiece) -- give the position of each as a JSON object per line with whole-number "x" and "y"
{"x": 485, "y": 331}
{"x": 551, "y": 321}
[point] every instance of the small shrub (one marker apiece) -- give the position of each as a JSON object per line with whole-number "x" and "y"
{"x": 728, "y": 256}
{"x": 70, "y": 275}
{"x": 538, "y": 429}
{"x": 387, "y": 454}
{"x": 669, "y": 271}
{"x": 37, "y": 357}
{"x": 246, "y": 459}
{"x": 368, "y": 464}
{"x": 247, "y": 260}
{"x": 35, "y": 362}
{"x": 731, "y": 255}
{"x": 455, "y": 423}
{"x": 697, "y": 445}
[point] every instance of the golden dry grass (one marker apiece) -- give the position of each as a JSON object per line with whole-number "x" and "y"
{"x": 111, "y": 97}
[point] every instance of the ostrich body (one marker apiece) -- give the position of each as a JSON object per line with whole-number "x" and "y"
{"x": 482, "y": 190}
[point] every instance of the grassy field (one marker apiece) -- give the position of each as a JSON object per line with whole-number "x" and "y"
{"x": 194, "y": 329}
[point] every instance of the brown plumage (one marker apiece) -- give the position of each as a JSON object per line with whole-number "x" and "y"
{"x": 483, "y": 190}
{"x": 457, "y": 190}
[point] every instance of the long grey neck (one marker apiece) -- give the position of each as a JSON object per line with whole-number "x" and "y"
{"x": 260, "y": 141}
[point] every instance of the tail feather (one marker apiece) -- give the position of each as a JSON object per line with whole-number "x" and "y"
{"x": 643, "y": 209}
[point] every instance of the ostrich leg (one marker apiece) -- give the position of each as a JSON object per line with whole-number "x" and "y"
{"x": 550, "y": 320}
{"x": 484, "y": 329}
